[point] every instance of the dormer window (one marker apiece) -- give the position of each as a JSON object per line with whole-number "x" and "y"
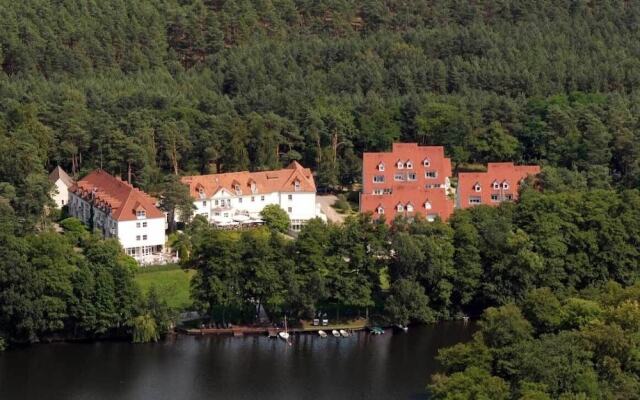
{"x": 400, "y": 165}
{"x": 409, "y": 207}
{"x": 426, "y": 162}
{"x": 400, "y": 207}
{"x": 296, "y": 185}
{"x": 380, "y": 210}
{"x": 496, "y": 185}
{"x": 236, "y": 187}
{"x": 477, "y": 187}
{"x": 381, "y": 167}
{"x": 427, "y": 205}
{"x": 505, "y": 185}
{"x": 253, "y": 187}
{"x": 141, "y": 214}
{"x": 409, "y": 165}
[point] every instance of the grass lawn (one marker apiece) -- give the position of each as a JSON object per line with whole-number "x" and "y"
{"x": 171, "y": 282}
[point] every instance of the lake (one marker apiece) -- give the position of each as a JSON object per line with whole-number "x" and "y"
{"x": 389, "y": 366}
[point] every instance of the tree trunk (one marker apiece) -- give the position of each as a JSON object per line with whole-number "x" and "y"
{"x": 129, "y": 172}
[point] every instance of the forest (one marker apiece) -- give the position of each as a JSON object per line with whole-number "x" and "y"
{"x": 154, "y": 89}
{"x": 579, "y": 346}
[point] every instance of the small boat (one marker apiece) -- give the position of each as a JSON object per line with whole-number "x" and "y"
{"x": 322, "y": 334}
{"x": 335, "y": 333}
{"x": 283, "y": 335}
{"x": 376, "y": 330}
{"x": 344, "y": 333}
{"x": 402, "y": 328}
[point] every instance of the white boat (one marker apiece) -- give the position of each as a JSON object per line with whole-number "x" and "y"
{"x": 284, "y": 335}
{"x": 335, "y": 333}
{"x": 322, "y": 334}
{"x": 344, "y": 333}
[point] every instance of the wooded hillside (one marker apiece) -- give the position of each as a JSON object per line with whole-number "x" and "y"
{"x": 164, "y": 86}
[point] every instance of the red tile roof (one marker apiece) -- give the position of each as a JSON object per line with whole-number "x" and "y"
{"x": 498, "y": 174}
{"x": 115, "y": 195}
{"x": 282, "y": 180}
{"x": 423, "y": 160}
{"x": 425, "y": 202}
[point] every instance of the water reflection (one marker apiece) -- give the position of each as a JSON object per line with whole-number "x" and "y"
{"x": 391, "y": 366}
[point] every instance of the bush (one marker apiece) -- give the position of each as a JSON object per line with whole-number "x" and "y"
{"x": 342, "y": 205}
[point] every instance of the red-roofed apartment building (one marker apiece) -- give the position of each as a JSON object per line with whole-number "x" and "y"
{"x": 407, "y": 181}
{"x": 235, "y": 198}
{"x": 117, "y": 209}
{"x": 500, "y": 183}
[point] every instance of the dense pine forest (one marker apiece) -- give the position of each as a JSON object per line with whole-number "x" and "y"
{"x": 150, "y": 89}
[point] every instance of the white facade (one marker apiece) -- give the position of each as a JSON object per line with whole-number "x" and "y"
{"x": 60, "y": 194}
{"x": 300, "y": 206}
{"x": 143, "y": 239}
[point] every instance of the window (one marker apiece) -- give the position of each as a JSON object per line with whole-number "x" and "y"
{"x": 398, "y": 177}
{"x": 509, "y": 197}
{"x": 201, "y": 192}
{"x": 426, "y": 162}
{"x": 137, "y": 224}
{"x": 427, "y": 205}
{"x": 141, "y": 214}
{"x": 290, "y": 197}
{"x": 144, "y": 237}
{"x": 216, "y": 202}
{"x": 431, "y": 174}
{"x": 388, "y": 191}
{"x": 296, "y": 186}
{"x": 253, "y": 187}
{"x": 400, "y": 207}
{"x": 240, "y": 200}
{"x": 378, "y": 179}
{"x": 400, "y": 165}
{"x": 381, "y": 167}
{"x": 409, "y": 207}
{"x": 411, "y": 176}
{"x": 432, "y": 186}
{"x": 494, "y": 197}
{"x": 477, "y": 187}
{"x": 496, "y": 185}
{"x": 475, "y": 200}
{"x": 380, "y": 210}
{"x": 62, "y": 202}
{"x": 204, "y": 204}
{"x": 505, "y": 185}
{"x": 261, "y": 198}
{"x": 144, "y": 224}
{"x": 409, "y": 165}
{"x": 237, "y": 189}
{"x": 378, "y": 192}
{"x": 137, "y": 237}
{"x": 289, "y": 209}
{"x": 253, "y": 198}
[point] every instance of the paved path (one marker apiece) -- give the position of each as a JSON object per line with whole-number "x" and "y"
{"x": 326, "y": 201}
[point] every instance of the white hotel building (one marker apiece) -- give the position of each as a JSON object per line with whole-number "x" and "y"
{"x": 117, "y": 209}
{"x": 238, "y": 197}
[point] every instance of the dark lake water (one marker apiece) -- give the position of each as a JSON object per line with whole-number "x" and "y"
{"x": 390, "y": 366}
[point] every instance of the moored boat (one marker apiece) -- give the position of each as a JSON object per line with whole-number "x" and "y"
{"x": 335, "y": 333}
{"x": 322, "y": 334}
{"x": 344, "y": 333}
{"x": 376, "y": 330}
{"x": 283, "y": 335}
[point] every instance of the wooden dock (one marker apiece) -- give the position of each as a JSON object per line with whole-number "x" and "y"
{"x": 239, "y": 331}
